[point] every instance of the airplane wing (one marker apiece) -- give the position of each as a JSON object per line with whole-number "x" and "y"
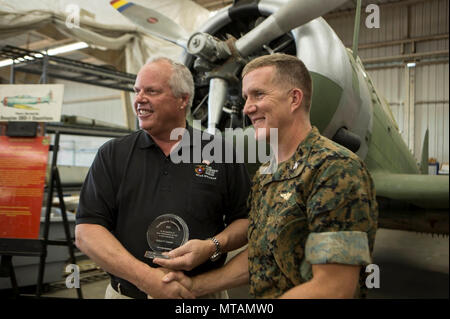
{"x": 426, "y": 191}
{"x": 413, "y": 202}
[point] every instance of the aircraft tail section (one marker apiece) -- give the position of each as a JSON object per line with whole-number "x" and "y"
{"x": 424, "y": 158}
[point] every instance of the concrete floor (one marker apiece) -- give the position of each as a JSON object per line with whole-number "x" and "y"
{"x": 411, "y": 265}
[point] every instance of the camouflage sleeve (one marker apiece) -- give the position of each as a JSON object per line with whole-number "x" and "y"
{"x": 342, "y": 247}
{"x": 341, "y": 213}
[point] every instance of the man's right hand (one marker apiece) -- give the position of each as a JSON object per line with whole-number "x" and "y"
{"x": 232, "y": 274}
{"x": 157, "y": 288}
{"x": 179, "y": 277}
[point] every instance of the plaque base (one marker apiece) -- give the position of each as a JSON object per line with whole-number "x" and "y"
{"x": 154, "y": 254}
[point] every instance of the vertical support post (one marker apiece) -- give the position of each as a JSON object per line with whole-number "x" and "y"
{"x": 43, "y": 79}
{"x": 412, "y": 109}
{"x": 409, "y": 110}
{"x": 7, "y": 266}
{"x": 406, "y": 108}
{"x": 62, "y": 205}
{"x": 12, "y": 74}
{"x": 356, "y": 29}
{"x": 47, "y": 214}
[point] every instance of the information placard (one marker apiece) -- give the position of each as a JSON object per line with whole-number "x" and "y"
{"x": 23, "y": 163}
{"x": 31, "y": 102}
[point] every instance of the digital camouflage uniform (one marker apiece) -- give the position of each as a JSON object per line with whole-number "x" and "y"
{"x": 318, "y": 207}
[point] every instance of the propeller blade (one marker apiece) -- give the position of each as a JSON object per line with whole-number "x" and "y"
{"x": 290, "y": 16}
{"x": 217, "y": 96}
{"x": 153, "y": 22}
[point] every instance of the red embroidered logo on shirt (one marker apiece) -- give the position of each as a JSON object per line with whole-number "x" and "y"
{"x": 200, "y": 169}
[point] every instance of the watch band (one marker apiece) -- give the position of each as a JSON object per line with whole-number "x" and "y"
{"x": 217, "y": 253}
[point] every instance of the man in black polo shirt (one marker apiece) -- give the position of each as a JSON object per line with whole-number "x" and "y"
{"x": 133, "y": 181}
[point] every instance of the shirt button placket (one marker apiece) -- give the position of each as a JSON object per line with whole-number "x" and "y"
{"x": 166, "y": 167}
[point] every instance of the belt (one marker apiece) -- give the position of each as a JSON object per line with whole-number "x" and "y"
{"x": 125, "y": 288}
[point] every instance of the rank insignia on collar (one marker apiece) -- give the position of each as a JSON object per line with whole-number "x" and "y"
{"x": 200, "y": 169}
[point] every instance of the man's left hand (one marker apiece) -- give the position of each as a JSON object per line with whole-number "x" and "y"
{"x": 195, "y": 252}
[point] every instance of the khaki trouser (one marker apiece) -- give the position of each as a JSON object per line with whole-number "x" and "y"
{"x": 112, "y": 294}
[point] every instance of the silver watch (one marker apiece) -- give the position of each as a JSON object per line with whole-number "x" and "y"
{"x": 217, "y": 253}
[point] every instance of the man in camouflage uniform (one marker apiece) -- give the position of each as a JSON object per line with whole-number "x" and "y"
{"x": 313, "y": 221}
{"x": 318, "y": 208}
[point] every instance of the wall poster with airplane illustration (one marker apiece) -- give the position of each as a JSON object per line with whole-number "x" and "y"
{"x": 31, "y": 102}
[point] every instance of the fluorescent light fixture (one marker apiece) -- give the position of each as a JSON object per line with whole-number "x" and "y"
{"x": 6, "y": 62}
{"x": 68, "y": 48}
{"x": 55, "y": 51}
{"x": 411, "y": 64}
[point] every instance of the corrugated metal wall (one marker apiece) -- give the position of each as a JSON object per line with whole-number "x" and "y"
{"x": 385, "y": 52}
{"x": 432, "y": 110}
{"x": 390, "y": 83}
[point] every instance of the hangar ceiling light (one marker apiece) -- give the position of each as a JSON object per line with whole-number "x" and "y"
{"x": 55, "y": 51}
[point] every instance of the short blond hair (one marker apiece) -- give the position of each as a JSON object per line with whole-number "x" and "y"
{"x": 289, "y": 70}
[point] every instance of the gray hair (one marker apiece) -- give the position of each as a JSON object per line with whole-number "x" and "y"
{"x": 181, "y": 81}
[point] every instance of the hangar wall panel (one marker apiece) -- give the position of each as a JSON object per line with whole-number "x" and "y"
{"x": 386, "y": 50}
{"x": 390, "y": 83}
{"x": 432, "y": 109}
{"x": 393, "y": 26}
{"x": 429, "y": 18}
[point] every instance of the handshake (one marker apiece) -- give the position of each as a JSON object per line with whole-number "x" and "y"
{"x": 176, "y": 285}
{"x": 169, "y": 281}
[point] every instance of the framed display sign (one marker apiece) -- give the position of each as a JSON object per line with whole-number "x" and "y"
{"x": 23, "y": 163}
{"x": 31, "y": 102}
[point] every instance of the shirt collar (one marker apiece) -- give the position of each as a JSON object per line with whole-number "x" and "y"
{"x": 296, "y": 164}
{"x": 146, "y": 141}
{"x": 305, "y": 146}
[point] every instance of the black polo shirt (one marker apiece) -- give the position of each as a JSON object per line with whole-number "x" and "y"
{"x": 131, "y": 182}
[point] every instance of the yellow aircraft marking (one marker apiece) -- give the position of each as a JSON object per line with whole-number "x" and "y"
{"x": 24, "y": 107}
{"x": 119, "y": 3}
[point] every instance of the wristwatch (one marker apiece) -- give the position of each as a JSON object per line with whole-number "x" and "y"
{"x": 217, "y": 253}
